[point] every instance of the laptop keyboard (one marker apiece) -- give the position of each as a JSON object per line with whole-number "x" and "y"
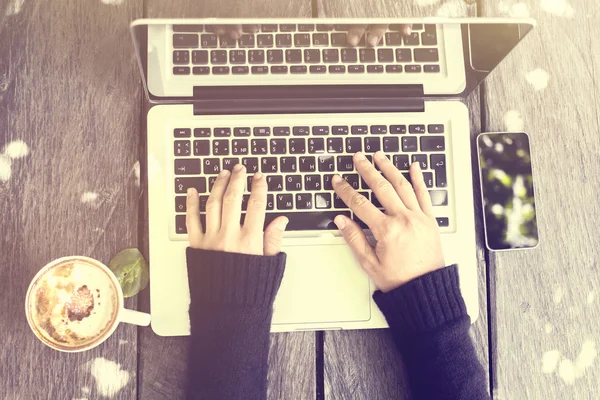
{"x": 302, "y": 49}
{"x": 298, "y": 162}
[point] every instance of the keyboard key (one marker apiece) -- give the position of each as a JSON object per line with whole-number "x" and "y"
{"x": 375, "y": 201}
{"x": 270, "y": 202}
{"x": 327, "y": 182}
{"x": 439, "y": 197}
{"x": 304, "y": 201}
{"x": 240, "y": 70}
{"x": 435, "y": 128}
{"x": 393, "y": 39}
{"x": 307, "y": 164}
{"x": 338, "y": 202}
{"x": 241, "y": 132}
{"x": 443, "y": 222}
{"x": 182, "y": 148}
{"x": 187, "y": 28}
{"x": 320, "y": 130}
{"x": 182, "y": 132}
{"x": 187, "y": 166}
{"x": 183, "y": 184}
{"x": 409, "y": 144}
{"x": 308, "y": 220}
{"x": 312, "y": 182}
{"x": 403, "y": 55}
{"x": 237, "y": 56}
{"x": 264, "y": 40}
{"x": 378, "y": 129}
{"x": 202, "y": 132}
{"x": 326, "y": 163}
{"x": 275, "y": 183}
{"x": 180, "y": 225}
{"x": 312, "y": 56}
{"x": 246, "y": 41}
{"x": 353, "y": 145}
{"x": 220, "y": 147}
{"x": 287, "y": 164}
{"x": 229, "y": 163}
{"x": 367, "y": 55}
{"x": 372, "y": 144}
{"x": 316, "y": 145}
{"x": 306, "y": 27}
{"x": 251, "y": 164}
{"x": 339, "y": 130}
{"x": 293, "y": 56}
{"x": 393, "y": 69}
{"x": 275, "y": 56}
{"x": 285, "y": 202}
{"x": 352, "y": 180}
{"x": 220, "y": 70}
{"x": 349, "y": 55}
{"x": 401, "y": 162}
{"x": 375, "y": 68}
{"x": 320, "y": 39}
{"x": 182, "y": 41}
{"x": 339, "y": 40}
{"x": 356, "y": 69}
{"x": 398, "y": 129}
{"x": 385, "y": 55}
{"x": 364, "y": 186}
{"x": 181, "y": 57}
{"x": 429, "y": 38}
{"x": 268, "y": 165}
{"x": 260, "y": 70}
{"x": 331, "y": 55}
{"x": 302, "y": 39}
{"x": 259, "y": 146}
{"x": 278, "y": 146}
{"x": 200, "y": 57}
{"x": 298, "y": 69}
{"x": 412, "y": 68}
{"x": 335, "y": 145}
{"x": 412, "y": 39}
{"x": 337, "y": 69}
{"x": 281, "y": 131}
{"x": 222, "y": 132}
{"x": 283, "y": 40}
{"x": 297, "y": 146}
{"x": 208, "y": 40}
{"x": 416, "y": 128}
{"x": 358, "y": 220}
{"x": 421, "y": 159}
{"x": 269, "y": 27}
{"x": 218, "y": 56}
{"x": 391, "y": 144}
{"x": 360, "y": 130}
{"x": 239, "y": 147}
{"x": 256, "y": 56}
{"x": 318, "y": 69}
{"x": 301, "y": 131}
{"x": 287, "y": 27}
{"x": 438, "y": 164}
{"x": 433, "y": 143}
{"x": 262, "y": 131}
{"x": 211, "y": 166}
{"x": 181, "y": 70}
{"x": 201, "y": 147}
{"x": 345, "y": 163}
{"x": 427, "y": 55}
{"x": 293, "y": 183}
{"x": 201, "y": 70}
{"x": 322, "y": 201}
{"x": 211, "y": 182}
{"x": 428, "y": 178}
{"x": 226, "y": 41}
{"x": 431, "y": 68}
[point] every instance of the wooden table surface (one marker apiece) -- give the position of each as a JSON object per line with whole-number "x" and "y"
{"x": 70, "y": 91}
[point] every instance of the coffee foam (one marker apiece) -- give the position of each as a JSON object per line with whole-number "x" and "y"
{"x": 73, "y": 304}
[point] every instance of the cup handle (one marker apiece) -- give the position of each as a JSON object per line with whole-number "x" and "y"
{"x": 134, "y": 317}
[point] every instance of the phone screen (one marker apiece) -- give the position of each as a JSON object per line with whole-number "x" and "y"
{"x": 507, "y": 191}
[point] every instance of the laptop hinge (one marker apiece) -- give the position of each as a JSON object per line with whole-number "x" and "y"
{"x": 308, "y": 99}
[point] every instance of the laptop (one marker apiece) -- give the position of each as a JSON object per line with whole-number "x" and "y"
{"x": 290, "y": 98}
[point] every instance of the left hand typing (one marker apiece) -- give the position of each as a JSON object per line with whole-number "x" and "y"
{"x": 223, "y": 212}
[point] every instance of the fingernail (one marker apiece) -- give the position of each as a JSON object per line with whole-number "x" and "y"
{"x": 360, "y": 156}
{"x": 380, "y": 155}
{"x": 353, "y": 39}
{"x": 189, "y": 192}
{"x": 417, "y": 166}
{"x": 407, "y": 30}
{"x": 282, "y": 224}
{"x": 336, "y": 179}
{"x": 340, "y": 222}
{"x": 373, "y": 40}
{"x": 238, "y": 167}
{"x": 224, "y": 173}
{"x": 258, "y": 176}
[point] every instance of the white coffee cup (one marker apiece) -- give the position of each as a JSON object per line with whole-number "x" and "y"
{"x": 51, "y": 286}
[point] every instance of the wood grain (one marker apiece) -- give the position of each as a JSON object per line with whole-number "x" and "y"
{"x": 547, "y": 299}
{"x": 292, "y": 355}
{"x": 72, "y": 96}
{"x": 364, "y": 364}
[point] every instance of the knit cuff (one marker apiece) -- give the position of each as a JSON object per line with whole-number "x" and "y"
{"x": 233, "y": 279}
{"x": 424, "y": 303}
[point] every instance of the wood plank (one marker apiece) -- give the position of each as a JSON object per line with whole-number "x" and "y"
{"x": 292, "y": 355}
{"x": 359, "y": 364}
{"x": 72, "y": 96}
{"x": 545, "y": 302}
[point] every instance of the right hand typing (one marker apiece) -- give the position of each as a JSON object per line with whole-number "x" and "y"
{"x": 408, "y": 238}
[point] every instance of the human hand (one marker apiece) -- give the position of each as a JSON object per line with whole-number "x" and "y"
{"x": 408, "y": 238}
{"x": 223, "y": 212}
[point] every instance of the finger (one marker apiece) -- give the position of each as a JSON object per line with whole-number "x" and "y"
{"x": 192, "y": 218}
{"x": 355, "y": 33}
{"x": 274, "y": 236}
{"x": 398, "y": 181}
{"x": 356, "y": 239}
{"x": 406, "y": 29}
{"x": 257, "y": 205}
{"x": 235, "y": 31}
{"x": 232, "y": 199}
{"x": 379, "y": 185}
{"x": 251, "y": 28}
{"x": 362, "y": 207}
{"x": 376, "y": 33}
{"x": 420, "y": 189}
{"x": 214, "y": 202}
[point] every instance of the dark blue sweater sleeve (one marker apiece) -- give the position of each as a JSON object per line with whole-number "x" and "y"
{"x": 430, "y": 325}
{"x": 231, "y": 309}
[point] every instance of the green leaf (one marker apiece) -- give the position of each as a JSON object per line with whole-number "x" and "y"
{"x": 131, "y": 270}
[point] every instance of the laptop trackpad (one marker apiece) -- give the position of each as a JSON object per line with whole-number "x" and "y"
{"x": 322, "y": 284}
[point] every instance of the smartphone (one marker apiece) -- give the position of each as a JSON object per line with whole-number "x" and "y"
{"x": 509, "y": 214}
